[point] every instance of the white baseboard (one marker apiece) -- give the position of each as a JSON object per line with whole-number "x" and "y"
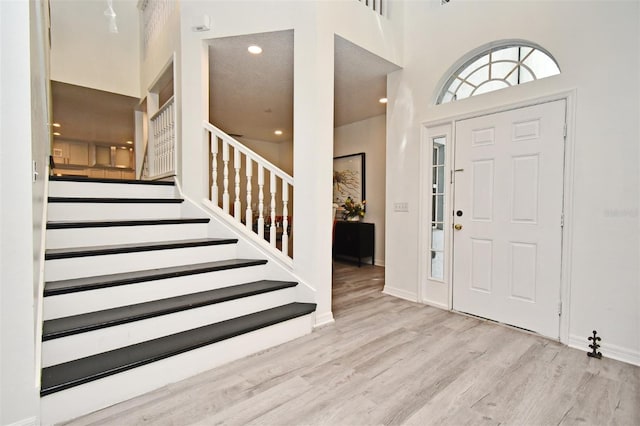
{"x": 436, "y": 304}
{"x": 402, "y": 294}
{"x": 30, "y": 421}
{"x": 324, "y": 319}
{"x": 379, "y": 262}
{"x": 608, "y": 350}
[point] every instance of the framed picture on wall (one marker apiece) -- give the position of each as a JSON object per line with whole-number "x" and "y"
{"x": 349, "y": 178}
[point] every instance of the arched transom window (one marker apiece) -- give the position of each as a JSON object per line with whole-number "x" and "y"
{"x": 498, "y": 68}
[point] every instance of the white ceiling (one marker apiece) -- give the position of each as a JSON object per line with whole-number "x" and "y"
{"x": 252, "y": 95}
{"x": 92, "y": 115}
{"x": 360, "y": 82}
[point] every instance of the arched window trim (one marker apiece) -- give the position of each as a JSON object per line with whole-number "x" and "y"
{"x": 485, "y": 50}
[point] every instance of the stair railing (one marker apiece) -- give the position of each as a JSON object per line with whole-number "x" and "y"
{"x": 161, "y": 149}
{"x": 235, "y": 195}
{"x": 144, "y": 169}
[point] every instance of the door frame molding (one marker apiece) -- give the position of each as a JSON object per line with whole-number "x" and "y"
{"x": 434, "y": 128}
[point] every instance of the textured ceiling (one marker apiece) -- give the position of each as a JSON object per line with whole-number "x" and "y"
{"x": 92, "y": 115}
{"x": 252, "y": 95}
{"x": 360, "y": 82}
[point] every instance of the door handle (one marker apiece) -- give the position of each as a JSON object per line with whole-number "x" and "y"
{"x": 457, "y": 226}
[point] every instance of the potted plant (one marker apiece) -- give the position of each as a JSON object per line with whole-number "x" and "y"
{"x": 351, "y": 210}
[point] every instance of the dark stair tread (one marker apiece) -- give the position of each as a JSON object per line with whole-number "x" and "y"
{"x": 53, "y": 288}
{"x": 88, "y": 200}
{"x": 76, "y": 324}
{"x": 73, "y": 373}
{"x": 108, "y": 180}
{"x": 67, "y": 253}
{"x": 111, "y": 223}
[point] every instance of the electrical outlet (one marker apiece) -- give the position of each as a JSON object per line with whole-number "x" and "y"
{"x": 401, "y": 207}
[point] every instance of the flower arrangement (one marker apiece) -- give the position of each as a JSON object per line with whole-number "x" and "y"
{"x": 352, "y": 209}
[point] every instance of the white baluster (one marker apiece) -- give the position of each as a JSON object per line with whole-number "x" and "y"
{"x": 163, "y": 142}
{"x": 249, "y": 213}
{"x": 163, "y": 139}
{"x": 174, "y": 157}
{"x": 161, "y": 132}
{"x": 225, "y": 176}
{"x": 260, "y": 201}
{"x": 167, "y": 162}
{"x": 160, "y": 142}
{"x": 152, "y": 149}
{"x": 285, "y": 219}
{"x": 272, "y": 228}
{"x": 161, "y": 124}
{"x": 214, "y": 168}
{"x": 237, "y": 163}
{"x": 170, "y": 138}
{"x": 156, "y": 147}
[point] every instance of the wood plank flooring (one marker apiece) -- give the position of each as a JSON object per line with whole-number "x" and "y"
{"x": 387, "y": 361}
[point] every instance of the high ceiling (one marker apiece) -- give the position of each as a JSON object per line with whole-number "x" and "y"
{"x": 92, "y": 115}
{"x": 360, "y": 82}
{"x": 252, "y": 95}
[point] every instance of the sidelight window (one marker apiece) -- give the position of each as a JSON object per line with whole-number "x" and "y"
{"x": 436, "y": 248}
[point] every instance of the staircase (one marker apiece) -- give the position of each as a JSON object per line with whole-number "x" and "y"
{"x": 139, "y": 295}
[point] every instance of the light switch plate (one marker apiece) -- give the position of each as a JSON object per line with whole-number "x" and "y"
{"x": 402, "y": 206}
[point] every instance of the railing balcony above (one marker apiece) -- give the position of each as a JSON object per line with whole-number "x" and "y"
{"x": 378, "y": 6}
{"x": 160, "y": 157}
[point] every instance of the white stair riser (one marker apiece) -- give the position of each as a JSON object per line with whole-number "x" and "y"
{"x": 92, "y": 396}
{"x": 109, "y": 190}
{"x": 87, "y": 237}
{"x": 68, "y": 348}
{"x": 64, "y": 305}
{"x": 78, "y": 267}
{"x": 111, "y": 211}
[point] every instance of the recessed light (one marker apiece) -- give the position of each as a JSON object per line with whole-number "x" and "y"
{"x": 254, "y": 49}
{"x": 56, "y": 124}
{"x": 56, "y": 133}
{"x": 278, "y": 132}
{"x": 383, "y": 100}
{"x": 130, "y": 142}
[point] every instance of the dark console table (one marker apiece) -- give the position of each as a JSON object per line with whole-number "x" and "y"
{"x": 354, "y": 240}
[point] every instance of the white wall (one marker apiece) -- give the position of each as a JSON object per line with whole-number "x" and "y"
{"x": 314, "y": 24}
{"x": 596, "y": 45}
{"x": 40, "y": 129}
{"x": 160, "y": 50}
{"x": 85, "y": 53}
{"x": 278, "y": 153}
{"x": 368, "y": 136}
{"x": 18, "y": 393}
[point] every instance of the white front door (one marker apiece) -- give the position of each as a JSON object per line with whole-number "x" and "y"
{"x": 508, "y": 205}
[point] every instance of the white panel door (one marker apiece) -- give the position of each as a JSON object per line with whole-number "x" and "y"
{"x": 508, "y": 206}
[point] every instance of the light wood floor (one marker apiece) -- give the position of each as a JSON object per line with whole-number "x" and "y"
{"x": 389, "y": 361}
